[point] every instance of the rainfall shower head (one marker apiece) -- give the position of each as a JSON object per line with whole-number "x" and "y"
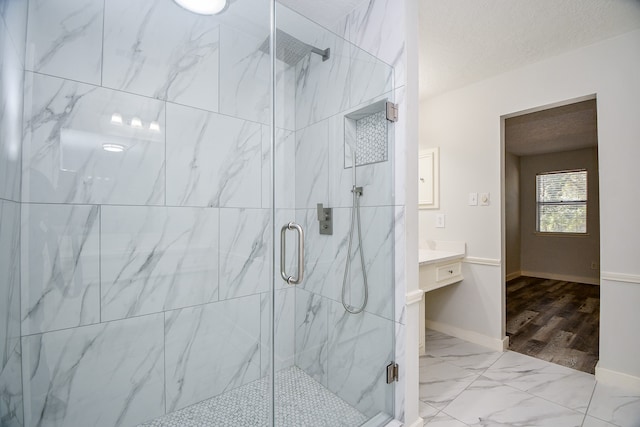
{"x": 290, "y": 50}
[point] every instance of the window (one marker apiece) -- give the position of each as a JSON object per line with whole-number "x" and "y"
{"x": 562, "y": 202}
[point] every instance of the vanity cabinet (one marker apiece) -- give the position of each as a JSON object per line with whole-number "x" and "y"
{"x": 440, "y": 265}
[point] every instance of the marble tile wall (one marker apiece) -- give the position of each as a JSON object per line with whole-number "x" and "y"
{"x": 161, "y": 250}
{"x": 10, "y": 371}
{"x": 135, "y": 264}
{"x": 13, "y": 22}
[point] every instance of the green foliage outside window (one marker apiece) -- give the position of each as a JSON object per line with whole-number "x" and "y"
{"x": 562, "y": 202}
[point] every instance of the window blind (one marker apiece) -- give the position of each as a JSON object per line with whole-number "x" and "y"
{"x": 562, "y": 202}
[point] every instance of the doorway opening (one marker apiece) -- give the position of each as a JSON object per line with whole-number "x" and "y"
{"x": 551, "y": 233}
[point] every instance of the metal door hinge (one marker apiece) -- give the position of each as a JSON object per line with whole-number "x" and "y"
{"x": 392, "y": 112}
{"x": 392, "y": 372}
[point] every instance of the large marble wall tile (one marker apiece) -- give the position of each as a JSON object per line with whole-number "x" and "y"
{"x": 64, "y": 39}
{"x": 68, "y": 125}
{"x": 245, "y": 73}
{"x": 399, "y": 274}
{"x": 322, "y": 87}
{"x": 377, "y": 240}
{"x": 157, "y": 258}
{"x": 360, "y": 348}
{"x": 325, "y": 255}
{"x": 400, "y": 148}
{"x": 311, "y": 334}
{"x": 377, "y": 26}
{"x": 60, "y": 267}
{"x": 312, "y": 167}
{"x": 285, "y": 158}
{"x": 10, "y": 367}
{"x": 14, "y": 14}
{"x": 211, "y": 349}
{"x": 11, "y": 405}
{"x": 284, "y": 330}
{"x": 212, "y": 159}
{"x": 370, "y": 77}
{"x": 109, "y": 374}
{"x": 245, "y": 249}
{"x": 161, "y": 50}
{"x": 10, "y": 278}
{"x": 11, "y": 93}
{"x": 376, "y": 179}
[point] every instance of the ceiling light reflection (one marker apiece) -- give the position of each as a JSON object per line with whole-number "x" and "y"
{"x": 113, "y": 148}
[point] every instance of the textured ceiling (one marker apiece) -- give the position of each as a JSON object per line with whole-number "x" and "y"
{"x": 565, "y": 128}
{"x": 464, "y": 41}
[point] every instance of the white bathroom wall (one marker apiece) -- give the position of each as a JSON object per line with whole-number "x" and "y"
{"x": 470, "y": 161}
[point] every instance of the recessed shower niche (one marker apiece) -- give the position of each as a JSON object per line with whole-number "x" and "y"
{"x": 366, "y": 130}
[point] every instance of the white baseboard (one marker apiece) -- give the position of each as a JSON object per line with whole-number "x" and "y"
{"x": 513, "y": 275}
{"x": 618, "y": 379}
{"x": 564, "y": 277}
{"x": 471, "y": 336}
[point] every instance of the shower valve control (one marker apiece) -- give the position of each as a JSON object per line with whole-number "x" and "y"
{"x": 325, "y": 217}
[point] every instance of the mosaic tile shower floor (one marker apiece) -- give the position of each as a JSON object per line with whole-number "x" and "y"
{"x": 302, "y": 401}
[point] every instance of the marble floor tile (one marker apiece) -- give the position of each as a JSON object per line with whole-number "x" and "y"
{"x": 458, "y": 352}
{"x": 515, "y": 390}
{"x": 444, "y": 420}
{"x": 490, "y": 403}
{"x": 616, "y": 405}
{"x": 559, "y": 384}
{"x": 441, "y": 381}
{"x": 427, "y": 412}
{"x": 594, "y": 422}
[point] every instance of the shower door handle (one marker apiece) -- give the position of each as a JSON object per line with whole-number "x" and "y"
{"x": 292, "y": 280}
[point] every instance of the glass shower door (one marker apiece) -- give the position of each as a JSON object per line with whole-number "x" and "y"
{"x": 333, "y": 332}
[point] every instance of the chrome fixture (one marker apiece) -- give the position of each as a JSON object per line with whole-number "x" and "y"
{"x": 203, "y": 7}
{"x": 290, "y": 50}
{"x": 292, "y": 280}
{"x": 355, "y": 214}
{"x": 325, "y": 219}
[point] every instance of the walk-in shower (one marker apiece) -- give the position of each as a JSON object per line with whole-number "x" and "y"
{"x": 150, "y": 158}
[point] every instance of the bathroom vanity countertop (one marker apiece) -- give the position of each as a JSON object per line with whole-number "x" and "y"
{"x": 431, "y": 256}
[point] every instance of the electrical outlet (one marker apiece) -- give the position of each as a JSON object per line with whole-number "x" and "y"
{"x": 473, "y": 199}
{"x": 484, "y": 199}
{"x": 440, "y": 221}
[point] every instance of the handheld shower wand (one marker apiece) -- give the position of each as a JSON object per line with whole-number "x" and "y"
{"x": 355, "y": 215}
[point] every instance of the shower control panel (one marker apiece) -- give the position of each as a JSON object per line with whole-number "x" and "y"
{"x": 325, "y": 217}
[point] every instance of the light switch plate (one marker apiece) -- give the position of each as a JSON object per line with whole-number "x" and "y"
{"x": 440, "y": 221}
{"x": 485, "y": 199}
{"x": 473, "y": 199}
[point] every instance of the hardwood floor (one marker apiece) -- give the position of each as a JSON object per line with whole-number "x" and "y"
{"x": 555, "y": 321}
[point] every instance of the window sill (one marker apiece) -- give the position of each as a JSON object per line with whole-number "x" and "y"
{"x": 556, "y": 234}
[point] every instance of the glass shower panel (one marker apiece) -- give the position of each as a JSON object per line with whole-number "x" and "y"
{"x": 330, "y": 96}
{"x": 142, "y": 250}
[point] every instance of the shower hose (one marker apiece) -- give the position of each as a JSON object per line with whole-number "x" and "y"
{"x": 355, "y": 215}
